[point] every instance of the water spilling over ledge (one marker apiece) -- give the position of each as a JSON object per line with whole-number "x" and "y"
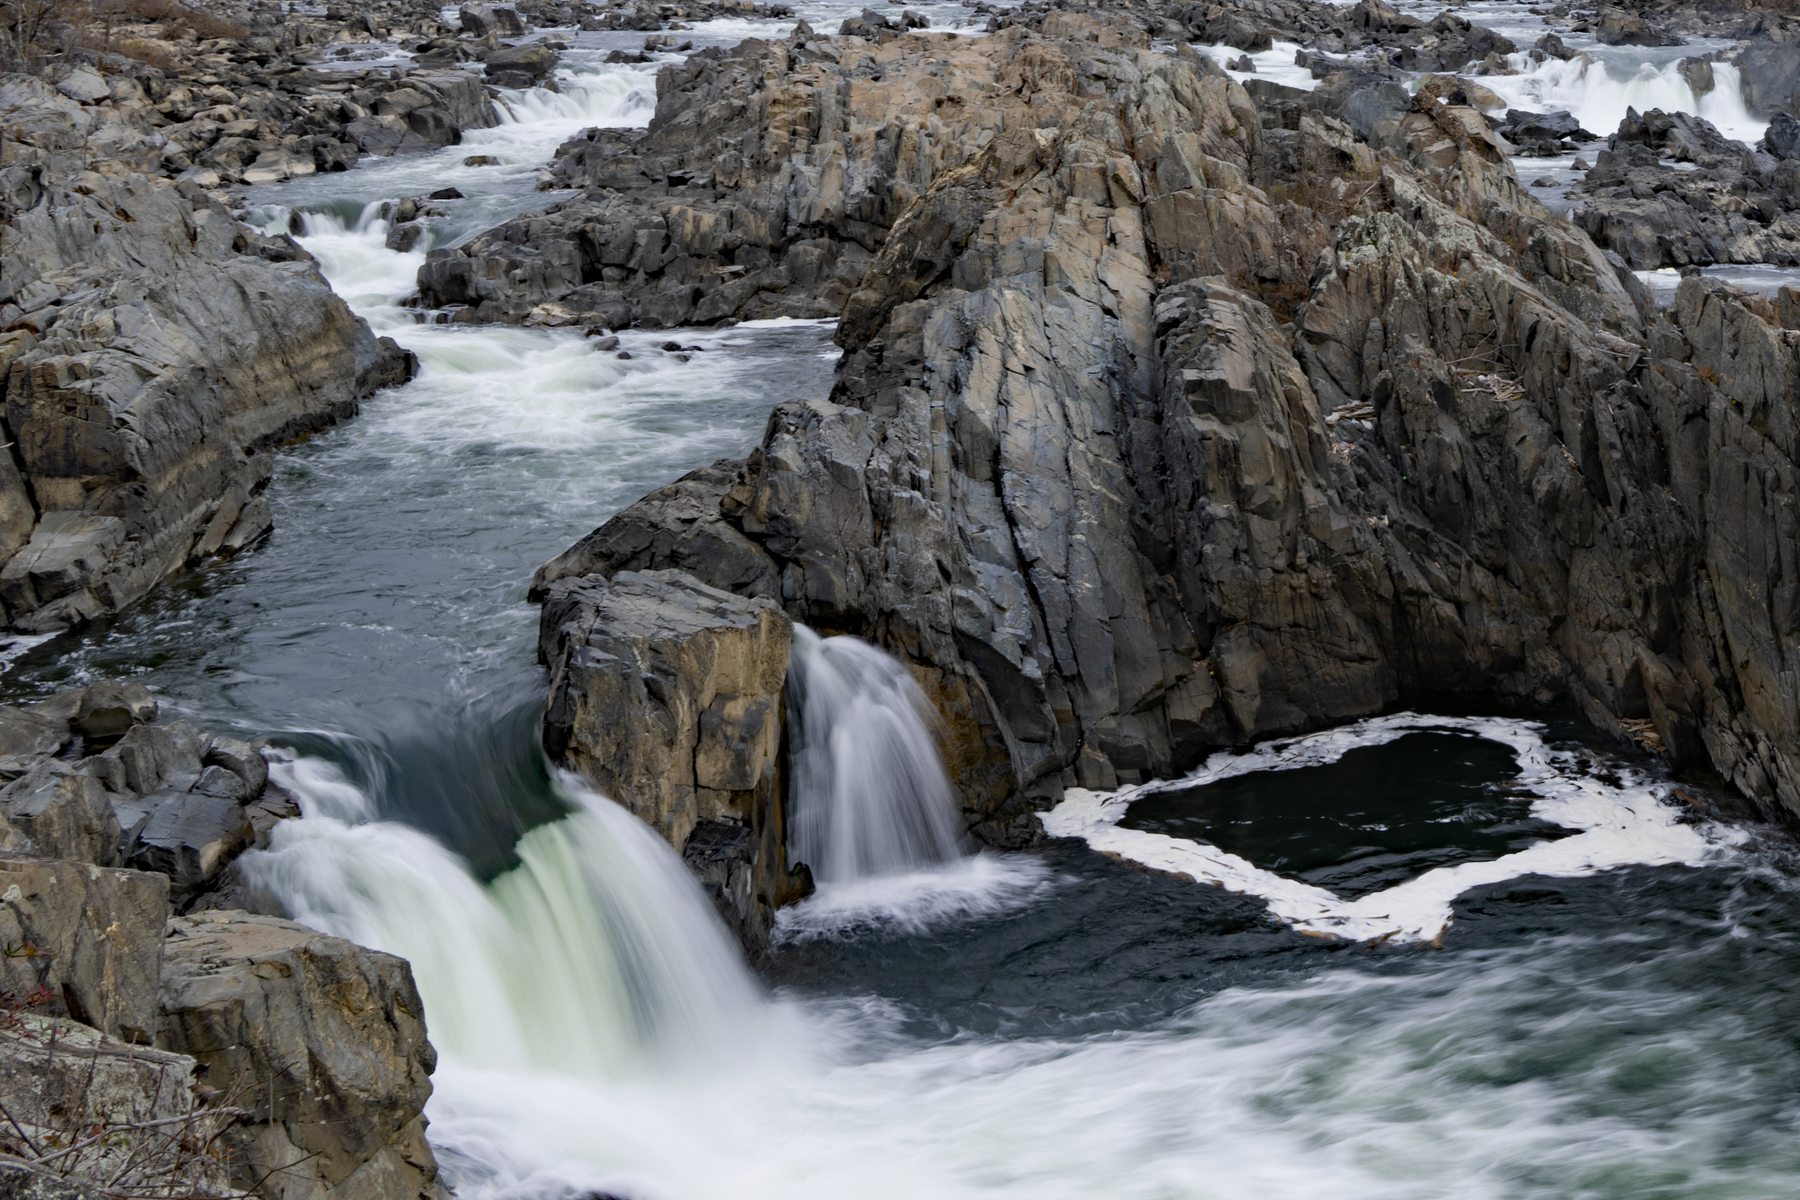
{"x": 869, "y": 796}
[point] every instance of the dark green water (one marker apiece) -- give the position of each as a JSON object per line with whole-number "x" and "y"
{"x": 1378, "y": 816}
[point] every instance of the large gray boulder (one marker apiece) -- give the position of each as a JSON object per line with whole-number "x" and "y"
{"x": 321, "y": 1040}
{"x": 666, "y": 695}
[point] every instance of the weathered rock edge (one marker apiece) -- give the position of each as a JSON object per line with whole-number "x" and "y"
{"x": 111, "y": 823}
{"x": 152, "y": 351}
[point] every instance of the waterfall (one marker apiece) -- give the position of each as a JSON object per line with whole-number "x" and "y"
{"x": 1598, "y": 97}
{"x": 596, "y": 953}
{"x": 870, "y": 796}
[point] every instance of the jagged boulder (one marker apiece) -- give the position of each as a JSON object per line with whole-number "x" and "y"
{"x": 91, "y": 775}
{"x": 321, "y": 1040}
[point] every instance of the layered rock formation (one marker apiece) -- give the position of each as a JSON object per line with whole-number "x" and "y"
{"x": 285, "y": 1060}
{"x": 153, "y": 350}
{"x": 1158, "y": 430}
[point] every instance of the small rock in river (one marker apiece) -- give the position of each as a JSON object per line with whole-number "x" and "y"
{"x": 1543, "y": 181}
{"x": 624, "y": 354}
{"x": 445, "y": 194}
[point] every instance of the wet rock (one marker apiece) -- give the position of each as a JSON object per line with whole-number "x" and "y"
{"x": 534, "y": 61}
{"x": 1737, "y": 206}
{"x": 1521, "y": 127}
{"x": 1771, "y": 79}
{"x": 1616, "y": 27}
{"x": 1782, "y": 138}
{"x": 323, "y": 1040}
{"x": 405, "y": 236}
{"x": 1552, "y": 45}
{"x": 1699, "y": 74}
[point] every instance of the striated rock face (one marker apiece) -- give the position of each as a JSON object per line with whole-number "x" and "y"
{"x": 321, "y": 1040}
{"x": 666, "y": 694}
{"x": 83, "y": 941}
{"x": 1158, "y": 430}
{"x": 153, "y": 350}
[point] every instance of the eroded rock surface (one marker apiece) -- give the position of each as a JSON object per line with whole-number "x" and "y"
{"x": 321, "y": 1040}
{"x": 1169, "y": 421}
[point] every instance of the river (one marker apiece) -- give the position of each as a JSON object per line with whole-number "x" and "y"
{"x": 1601, "y": 1018}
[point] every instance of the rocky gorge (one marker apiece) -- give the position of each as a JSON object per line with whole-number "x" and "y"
{"x": 1175, "y": 408}
{"x": 1168, "y": 421}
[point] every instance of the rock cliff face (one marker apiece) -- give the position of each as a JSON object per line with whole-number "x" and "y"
{"x": 153, "y": 350}
{"x": 1159, "y": 430}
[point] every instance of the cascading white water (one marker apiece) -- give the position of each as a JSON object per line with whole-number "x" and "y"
{"x": 870, "y": 796}
{"x": 1598, "y": 98}
{"x": 597, "y": 952}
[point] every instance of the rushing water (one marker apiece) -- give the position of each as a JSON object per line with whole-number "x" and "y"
{"x": 869, "y": 795}
{"x": 1608, "y": 1013}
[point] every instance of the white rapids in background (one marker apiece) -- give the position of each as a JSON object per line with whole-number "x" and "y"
{"x": 1629, "y": 824}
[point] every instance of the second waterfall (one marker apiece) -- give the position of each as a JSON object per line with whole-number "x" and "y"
{"x": 870, "y": 796}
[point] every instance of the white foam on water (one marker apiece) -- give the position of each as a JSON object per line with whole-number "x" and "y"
{"x": 1597, "y": 94}
{"x": 598, "y": 954}
{"x": 1756, "y": 278}
{"x": 1624, "y": 824}
{"x": 1275, "y": 64}
{"x": 916, "y": 902}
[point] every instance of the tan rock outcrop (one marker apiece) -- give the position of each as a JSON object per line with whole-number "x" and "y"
{"x": 83, "y": 941}
{"x": 321, "y": 1040}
